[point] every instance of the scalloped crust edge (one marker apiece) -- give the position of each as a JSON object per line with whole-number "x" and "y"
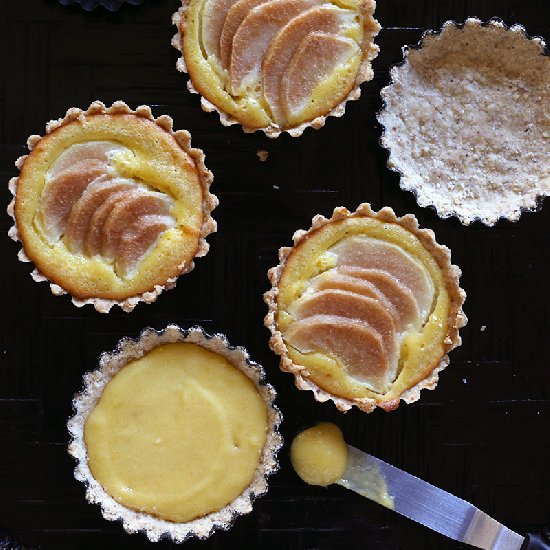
{"x": 456, "y": 318}
{"x": 84, "y": 402}
{"x": 364, "y": 74}
{"x": 529, "y": 204}
{"x": 183, "y": 138}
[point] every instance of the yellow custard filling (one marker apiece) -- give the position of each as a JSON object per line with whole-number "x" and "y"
{"x": 152, "y": 160}
{"x": 177, "y": 434}
{"x": 319, "y": 455}
{"x": 420, "y": 348}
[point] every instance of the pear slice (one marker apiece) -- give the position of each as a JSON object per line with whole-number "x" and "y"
{"x": 342, "y": 303}
{"x": 400, "y": 296}
{"x": 334, "y": 279}
{"x": 357, "y": 345}
{"x": 315, "y": 60}
{"x": 127, "y": 211}
{"x": 327, "y": 19}
{"x": 213, "y": 18}
{"x": 97, "y": 150}
{"x": 63, "y": 191}
{"x": 370, "y": 253}
{"x": 238, "y": 11}
{"x": 138, "y": 239}
{"x": 84, "y": 209}
{"x": 254, "y": 36}
{"x": 94, "y": 233}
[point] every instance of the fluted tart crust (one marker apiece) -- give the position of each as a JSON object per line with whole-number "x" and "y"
{"x": 276, "y": 65}
{"x": 190, "y": 406}
{"x": 364, "y": 308}
{"x": 112, "y": 205}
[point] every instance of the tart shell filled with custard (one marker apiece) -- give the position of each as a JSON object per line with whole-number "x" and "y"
{"x": 276, "y": 65}
{"x": 160, "y": 438}
{"x": 364, "y": 308}
{"x": 112, "y": 205}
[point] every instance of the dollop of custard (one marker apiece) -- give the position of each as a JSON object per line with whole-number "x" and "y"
{"x": 168, "y": 436}
{"x": 319, "y": 455}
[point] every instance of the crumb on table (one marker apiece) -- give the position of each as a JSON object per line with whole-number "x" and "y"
{"x": 262, "y": 155}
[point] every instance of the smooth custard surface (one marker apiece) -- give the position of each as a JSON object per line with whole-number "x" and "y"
{"x": 420, "y": 349}
{"x": 319, "y": 454}
{"x": 151, "y": 157}
{"x": 177, "y": 434}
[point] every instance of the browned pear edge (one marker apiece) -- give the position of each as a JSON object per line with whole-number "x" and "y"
{"x": 364, "y": 74}
{"x": 95, "y": 381}
{"x": 183, "y": 138}
{"x": 456, "y": 319}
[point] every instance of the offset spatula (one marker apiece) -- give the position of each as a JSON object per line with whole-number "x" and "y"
{"x": 418, "y": 500}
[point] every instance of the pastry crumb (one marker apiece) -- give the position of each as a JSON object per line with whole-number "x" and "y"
{"x": 482, "y": 329}
{"x": 262, "y": 155}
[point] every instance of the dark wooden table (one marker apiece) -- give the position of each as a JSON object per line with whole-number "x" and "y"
{"x": 482, "y": 434}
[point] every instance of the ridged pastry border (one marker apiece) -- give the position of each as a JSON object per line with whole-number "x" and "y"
{"x": 183, "y": 138}
{"x": 456, "y": 318}
{"x": 526, "y": 203}
{"x": 364, "y": 74}
{"x": 129, "y": 349}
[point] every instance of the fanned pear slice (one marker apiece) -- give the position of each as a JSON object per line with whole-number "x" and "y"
{"x": 61, "y": 193}
{"x": 324, "y": 19}
{"x": 333, "y": 279}
{"x": 401, "y": 297}
{"x": 238, "y": 11}
{"x": 317, "y": 57}
{"x": 137, "y": 239}
{"x": 128, "y": 211}
{"x": 356, "y": 344}
{"x": 94, "y": 233}
{"x": 83, "y": 210}
{"x": 213, "y": 18}
{"x": 353, "y": 306}
{"x": 366, "y": 252}
{"x": 254, "y": 36}
{"x": 100, "y": 150}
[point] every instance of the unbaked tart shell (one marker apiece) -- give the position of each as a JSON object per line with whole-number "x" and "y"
{"x": 465, "y": 121}
{"x": 95, "y": 381}
{"x": 159, "y": 277}
{"x": 456, "y": 318}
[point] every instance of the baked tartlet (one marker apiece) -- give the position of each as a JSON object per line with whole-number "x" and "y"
{"x": 111, "y": 205}
{"x": 160, "y": 437}
{"x": 364, "y": 308}
{"x": 276, "y": 65}
{"x": 466, "y": 121}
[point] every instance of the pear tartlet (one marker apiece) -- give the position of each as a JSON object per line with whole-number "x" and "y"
{"x": 112, "y": 205}
{"x": 276, "y": 65}
{"x": 466, "y": 121}
{"x": 160, "y": 438}
{"x": 364, "y": 308}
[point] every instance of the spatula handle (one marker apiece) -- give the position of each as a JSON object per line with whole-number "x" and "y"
{"x": 537, "y": 541}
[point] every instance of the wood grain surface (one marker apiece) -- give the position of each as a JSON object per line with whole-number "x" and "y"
{"x": 482, "y": 434}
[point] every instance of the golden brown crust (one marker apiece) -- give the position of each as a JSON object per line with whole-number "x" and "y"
{"x": 456, "y": 317}
{"x": 371, "y": 28}
{"x": 60, "y": 285}
{"x": 85, "y": 401}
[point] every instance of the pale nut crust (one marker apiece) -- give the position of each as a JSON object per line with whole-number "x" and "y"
{"x": 84, "y": 402}
{"x": 497, "y": 166}
{"x": 456, "y": 317}
{"x": 183, "y": 139}
{"x": 364, "y": 74}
